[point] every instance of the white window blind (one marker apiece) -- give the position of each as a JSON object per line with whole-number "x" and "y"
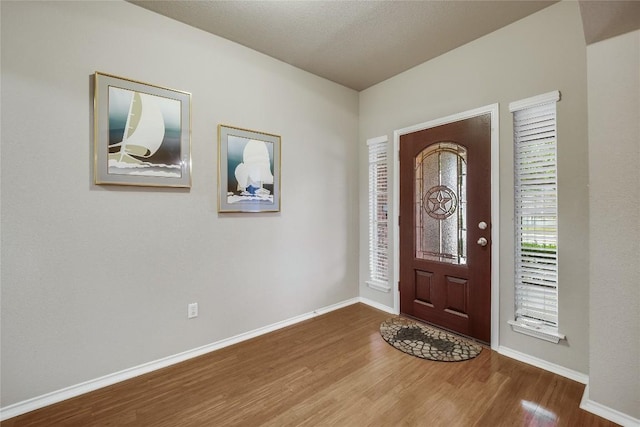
{"x": 536, "y": 216}
{"x": 378, "y": 214}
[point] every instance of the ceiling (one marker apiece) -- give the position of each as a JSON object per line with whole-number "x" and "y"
{"x": 360, "y": 43}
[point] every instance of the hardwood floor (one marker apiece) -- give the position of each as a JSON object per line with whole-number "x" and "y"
{"x": 333, "y": 370}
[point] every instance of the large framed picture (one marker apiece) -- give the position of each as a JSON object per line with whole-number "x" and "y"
{"x": 142, "y": 133}
{"x": 248, "y": 170}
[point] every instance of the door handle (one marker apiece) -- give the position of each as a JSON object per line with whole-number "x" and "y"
{"x": 482, "y": 241}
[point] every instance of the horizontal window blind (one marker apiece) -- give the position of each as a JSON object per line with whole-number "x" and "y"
{"x": 378, "y": 212}
{"x": 536, "y": 212}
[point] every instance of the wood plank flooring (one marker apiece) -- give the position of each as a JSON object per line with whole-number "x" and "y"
{"x": 333, "y": 370}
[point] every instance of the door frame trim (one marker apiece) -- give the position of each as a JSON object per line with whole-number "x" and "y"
{"x": 494, "y": 110}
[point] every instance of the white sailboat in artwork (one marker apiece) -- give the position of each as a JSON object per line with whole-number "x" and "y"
{"x": 255, "y": 170}
{"x": 143, "y": 134}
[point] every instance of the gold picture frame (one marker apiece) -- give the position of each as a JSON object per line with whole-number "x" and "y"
{"x": 248, "y": 170}
{"x": 142, "y": 133}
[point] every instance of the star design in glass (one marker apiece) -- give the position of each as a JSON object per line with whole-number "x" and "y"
{"x": 441, "y": 202}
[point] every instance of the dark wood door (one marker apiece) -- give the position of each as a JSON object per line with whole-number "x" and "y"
{"x": 445, "y": 229}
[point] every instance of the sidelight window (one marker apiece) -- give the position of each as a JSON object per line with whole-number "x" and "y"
{"x": 536, "y": 216}
{"x": 378, "y": 215}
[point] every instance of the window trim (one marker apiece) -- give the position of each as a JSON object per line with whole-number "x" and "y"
{"x": 375, "y": 145}
{"x": 523, "y": 324}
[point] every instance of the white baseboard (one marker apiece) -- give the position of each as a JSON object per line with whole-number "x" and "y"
{"x": 76, "y": 390}
{"x": 322, "y": 310}
{"x": 543, "y": 364}
{"x": 586, "y": 404}
{"x": 377, "y": 305}
{"x": 606, "y": 412}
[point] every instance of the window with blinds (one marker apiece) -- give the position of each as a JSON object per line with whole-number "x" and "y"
{"x": 536, "y": 216}
{"x": 378, "y": 215}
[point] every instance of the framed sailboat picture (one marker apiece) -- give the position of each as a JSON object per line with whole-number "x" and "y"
{"x": 142, "y": 133}
{"x": 248, "y": 170}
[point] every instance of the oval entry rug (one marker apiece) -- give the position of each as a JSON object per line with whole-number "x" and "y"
{"x": 426, "y": 342}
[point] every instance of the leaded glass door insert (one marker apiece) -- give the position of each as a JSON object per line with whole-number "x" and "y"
{"x": 441, "y": 203}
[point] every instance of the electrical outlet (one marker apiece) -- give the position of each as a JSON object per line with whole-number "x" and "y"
{"x": 192, "y": 310}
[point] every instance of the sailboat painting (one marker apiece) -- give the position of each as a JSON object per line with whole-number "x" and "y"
{"x": 250, "y": 170}
{"x": 142, "y": 135}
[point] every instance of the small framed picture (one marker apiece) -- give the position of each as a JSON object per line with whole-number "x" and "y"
{"x": 142, "y": 133}
{"x": 248, "y": 170}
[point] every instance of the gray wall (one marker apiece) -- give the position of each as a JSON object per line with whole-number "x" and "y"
{"x": 614, "y": 190}
{"x": 543, "y": 52}
{"x": 97, "y": 279}
{"x": 71, "y": 312}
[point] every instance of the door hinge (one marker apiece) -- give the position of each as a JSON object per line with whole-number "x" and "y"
{"x": 398, "y": 220}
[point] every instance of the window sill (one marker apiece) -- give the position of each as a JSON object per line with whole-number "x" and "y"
{"x": 379, "y": 286}
{"x": 541, "y": 332}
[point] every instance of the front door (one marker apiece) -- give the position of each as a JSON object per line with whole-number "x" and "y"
{"x": 445, "y": 229}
